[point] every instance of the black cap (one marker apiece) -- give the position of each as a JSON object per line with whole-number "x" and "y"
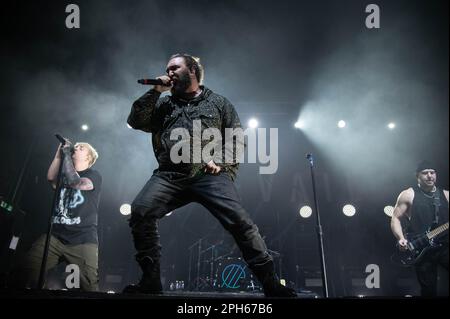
{"x": 425, "y": 165}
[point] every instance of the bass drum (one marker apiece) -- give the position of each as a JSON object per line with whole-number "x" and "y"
{"x": 233, "y": 275}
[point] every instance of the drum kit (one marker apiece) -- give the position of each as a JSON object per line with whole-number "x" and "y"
{"x": 214, "y": 268}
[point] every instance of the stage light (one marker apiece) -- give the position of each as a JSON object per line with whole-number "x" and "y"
{"x": 253, "y": 123}
{"x": 389, "y": 210}
{"x": 305, "y": 211}
{"x": 125, "y": 209}
{"x": 341, "y": 124}
{"x": 349, "y": 210}
{"x": 169, "y": 213}
{"x": 391, "y": 125}
{"x": 299, "y": 124}
{"x": 84, "y": 127}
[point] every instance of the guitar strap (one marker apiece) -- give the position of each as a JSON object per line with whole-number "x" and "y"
{"x": 436, "y": 204}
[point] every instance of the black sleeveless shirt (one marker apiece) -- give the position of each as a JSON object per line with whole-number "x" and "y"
{"x": 423, "y": 213}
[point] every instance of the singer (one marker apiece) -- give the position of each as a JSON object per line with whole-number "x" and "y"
{"x": 74, "y": 238}
{"x": 174, "y": 185}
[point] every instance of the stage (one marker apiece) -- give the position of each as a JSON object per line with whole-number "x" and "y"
{"x": 74, "y": 294}
{"x": 204, "y": 304}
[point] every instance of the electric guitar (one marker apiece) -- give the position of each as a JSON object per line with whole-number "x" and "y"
{"x": 419, "y": 244}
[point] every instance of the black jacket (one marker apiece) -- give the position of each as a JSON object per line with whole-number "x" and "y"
{"x": 160, "y": 116}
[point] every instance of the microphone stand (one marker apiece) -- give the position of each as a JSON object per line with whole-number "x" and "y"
{"x": 41, "y": 281}
{"x": 319, "y": 229}
{"x": 197, "y": 287}
{"x": 199, "y": 252}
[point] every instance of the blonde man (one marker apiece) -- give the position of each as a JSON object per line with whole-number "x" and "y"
{"x": 74, "y": 235}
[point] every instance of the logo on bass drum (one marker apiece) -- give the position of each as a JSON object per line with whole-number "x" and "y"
{"x": 232, "y": 275}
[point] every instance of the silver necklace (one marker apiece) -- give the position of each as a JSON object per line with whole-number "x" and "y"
{"x": 425, "y": 193}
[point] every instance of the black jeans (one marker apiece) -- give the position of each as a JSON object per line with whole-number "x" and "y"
{"x": 215, "y": 192}
{"x": 427, "y": 270}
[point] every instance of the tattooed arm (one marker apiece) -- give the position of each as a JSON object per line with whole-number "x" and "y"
{"x": 68, "y": 170}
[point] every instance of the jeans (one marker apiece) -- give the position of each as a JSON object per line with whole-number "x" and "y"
{"x": 426, "y": 270}
{"x": 217, "y": 193}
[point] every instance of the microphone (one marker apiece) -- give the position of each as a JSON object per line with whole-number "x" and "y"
{"x": 61, "y": 139}
{"x": 63, "y": 142}
{"x": 151, "y": 82}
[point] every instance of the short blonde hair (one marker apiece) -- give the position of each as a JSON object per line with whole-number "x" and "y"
{"x": 92, "y": 152}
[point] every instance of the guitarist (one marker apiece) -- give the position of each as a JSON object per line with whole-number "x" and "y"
{"x": 419, "y": 209}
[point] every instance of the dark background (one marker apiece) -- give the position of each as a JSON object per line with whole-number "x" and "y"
{"x": 278, "y": 62}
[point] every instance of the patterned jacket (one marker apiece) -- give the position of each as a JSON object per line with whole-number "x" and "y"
{"x": 160, "y": 116}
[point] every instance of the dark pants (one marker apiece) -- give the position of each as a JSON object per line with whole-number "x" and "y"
{"x": 427, "y": 271}
{"x": 215, "y": 192}
{"x": 85, "y": 256}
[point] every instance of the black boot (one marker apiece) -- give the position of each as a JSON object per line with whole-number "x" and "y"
{"x": 150, "y": 282}
{"x": 270, "y": 281}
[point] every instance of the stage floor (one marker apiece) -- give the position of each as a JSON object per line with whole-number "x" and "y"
{"x": 64, "y": 294}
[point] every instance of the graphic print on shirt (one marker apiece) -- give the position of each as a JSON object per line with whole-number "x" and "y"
{"x": 64, "y": 213}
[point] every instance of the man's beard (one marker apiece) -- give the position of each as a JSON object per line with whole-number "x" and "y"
{"x": 182, "y": 84}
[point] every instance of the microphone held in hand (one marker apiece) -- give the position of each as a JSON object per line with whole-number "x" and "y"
{"x": 152, "y": 82}
{"x": 61, "y": 139}
{"x": 64, "y": 142}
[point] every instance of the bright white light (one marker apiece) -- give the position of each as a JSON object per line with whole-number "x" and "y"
{"x": 169, "y": 213}
{"x": 125, "y": 209}
{"x": 349, "y": 210}
{"x": 84, "y": 127}
{"x": 341, "y": 124}
{"x": 299, "y": 124}
{"x": 391, "y": 125}
{"x": 128, "y": 125}
{"x": 389, "y": 210}
{"x": 305, "y": 211}
{"x": 253, "y": 123}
